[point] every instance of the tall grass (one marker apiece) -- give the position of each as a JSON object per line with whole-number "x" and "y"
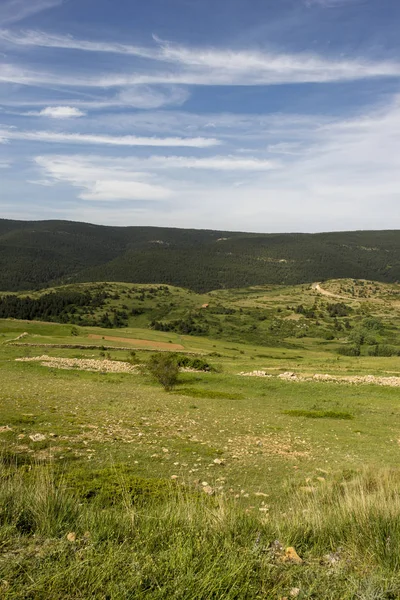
{"x": 190, "y": 546}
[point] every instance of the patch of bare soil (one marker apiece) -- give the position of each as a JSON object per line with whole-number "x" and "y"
{"x": 139, "y": 343}
{"x": 82, "y": 364}
{"x": 320, "y": 290}
{"x": 392, "y": 381}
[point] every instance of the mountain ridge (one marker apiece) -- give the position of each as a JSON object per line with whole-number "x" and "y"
{"x": 35, "y": 254}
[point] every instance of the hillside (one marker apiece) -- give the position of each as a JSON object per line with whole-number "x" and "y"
{"x": 35, "y": 254}
{"x": 355, "y": 317}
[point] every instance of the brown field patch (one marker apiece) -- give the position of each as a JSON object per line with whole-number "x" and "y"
{"x": 137, "y": 342}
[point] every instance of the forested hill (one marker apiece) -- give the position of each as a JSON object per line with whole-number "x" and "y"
{"x": 34, "y": 254}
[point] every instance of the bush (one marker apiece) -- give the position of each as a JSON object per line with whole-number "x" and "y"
{"x": 383, "y": 350}
{"x": 199, "y": 364}
{"x": 349, "y": 350}
{"x": 164, "y": 368}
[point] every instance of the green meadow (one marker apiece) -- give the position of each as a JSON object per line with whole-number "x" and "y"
{"x": 112, "y": 487}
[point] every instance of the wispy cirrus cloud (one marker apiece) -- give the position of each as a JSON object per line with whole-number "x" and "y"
{"x": 333, "y": 3}
{"x": 138, "y": 96}
{"x": 213, "y": 163}
{"x": 107, "y": 140}
{"x": 196, "y": 66}
{"x": 12, "y": 11}
{"x": 99, "y": 182}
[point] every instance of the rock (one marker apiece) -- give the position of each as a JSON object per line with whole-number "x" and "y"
{"x": 294, "y": 592}
{"x": 37, "y": 437}
{"x": 292, "y": 556}
{"x": 276, "y": 548}
{"x": 207, "y": 489}
{"x": 218, "y": 461}
{"x": 333, "y": 558}
{"x": 321, "y": 479}
{"x": 71, "y": 536}
{"x": 174, "y": 477}
{"x": 204, "y": 483}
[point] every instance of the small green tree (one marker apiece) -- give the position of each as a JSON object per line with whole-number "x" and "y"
{"x": 164, "y": 368}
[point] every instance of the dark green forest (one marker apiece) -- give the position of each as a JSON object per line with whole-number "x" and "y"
{"x": 36, "y": 254}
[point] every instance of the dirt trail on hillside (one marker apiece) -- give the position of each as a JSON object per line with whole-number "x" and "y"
{"x": 317, "y": 287}
{"x": 137, "y": 342}
{"x": 393, "y": 381}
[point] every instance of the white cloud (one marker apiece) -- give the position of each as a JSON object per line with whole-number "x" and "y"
{"x": 218, "y": 163}
{"x": 143, "y": 97}
{"x": 43, "y": 182}
{"x": 12, "y": 11}
{"x": 67, "y": 42}
{"x": 61, "y": 112}
{"x": 345, "y": 175}
{"x": 148, "y": 97}
{"x": 199, "y": 66}
{"x": 108, "y": 140}
{"x": 99, "y": 182}
{"x": 332, "y": 3}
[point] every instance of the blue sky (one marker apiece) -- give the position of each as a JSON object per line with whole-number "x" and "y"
{"x": 256, "y": 115}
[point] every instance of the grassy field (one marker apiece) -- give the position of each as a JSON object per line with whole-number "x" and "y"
{"x": 181, "y": 494}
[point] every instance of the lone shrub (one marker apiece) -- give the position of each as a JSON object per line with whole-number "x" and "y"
{"x": 164, "y": 368}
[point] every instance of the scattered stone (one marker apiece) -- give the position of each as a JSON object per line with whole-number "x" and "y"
{"x": 261, "y": 494}
{"x": 83, "y": 364}
{"x": 393, "y": 381}
{"x": 174, "y": 476}
{"x": 204, "y": 483}
{"x": 333, "y": 558}
{"x": 37, "y": 437}
{"x": 294, "y": 592}
{"x": 71, "y": 537}
{"x": 322, "y": 479}
{"x": 207, "y": 489}
{"x": 218, "y": 461}
{"x": 5, "y": 428}
{"x": 276, "y": 548}
{"x": 288, "y": 375}
{"x": 308, "y": 489}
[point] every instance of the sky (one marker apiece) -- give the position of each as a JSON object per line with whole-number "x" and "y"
{"x": 246, "y": 115}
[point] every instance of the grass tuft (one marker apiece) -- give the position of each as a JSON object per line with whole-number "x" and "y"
{"x": 319, "y": 414}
